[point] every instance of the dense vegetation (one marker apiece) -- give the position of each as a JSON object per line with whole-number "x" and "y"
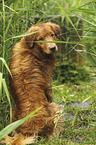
{"x": 16, "y": 16}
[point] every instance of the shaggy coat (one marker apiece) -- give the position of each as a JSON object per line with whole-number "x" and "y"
{"x": 32, "y": 64}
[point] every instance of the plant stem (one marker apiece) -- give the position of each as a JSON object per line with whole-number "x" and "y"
{"x": 3, "y": 34}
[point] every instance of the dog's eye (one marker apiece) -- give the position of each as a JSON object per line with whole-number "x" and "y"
{"x": 52, "y": 35}
{"x": 41, "y": 39}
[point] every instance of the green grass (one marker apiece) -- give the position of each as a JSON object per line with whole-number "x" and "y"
{"x": 74, "y": 93}
{"x": 83, "y": 131}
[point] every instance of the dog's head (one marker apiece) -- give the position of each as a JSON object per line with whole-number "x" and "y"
{"x": 44, "y": 32}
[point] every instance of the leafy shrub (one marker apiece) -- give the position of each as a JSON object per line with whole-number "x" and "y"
{"x": 71, "y": 72}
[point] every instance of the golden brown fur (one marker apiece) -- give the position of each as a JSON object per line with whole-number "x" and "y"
{"x": 32, "y": 65}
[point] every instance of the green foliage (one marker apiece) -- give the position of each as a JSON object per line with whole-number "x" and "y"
{"x": 78, "y": 128}
{"x": 11, "y": 127}
{"x": 3, "y": 83}
{"x": 70, "y": 72}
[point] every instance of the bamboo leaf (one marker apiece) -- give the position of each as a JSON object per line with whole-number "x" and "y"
{"x": 8, "y": 129}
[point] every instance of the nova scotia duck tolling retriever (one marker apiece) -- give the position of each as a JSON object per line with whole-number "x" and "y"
{"x": 32, "y": 63}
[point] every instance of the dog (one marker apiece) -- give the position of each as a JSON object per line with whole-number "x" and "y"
{"x": 32, "y": 64}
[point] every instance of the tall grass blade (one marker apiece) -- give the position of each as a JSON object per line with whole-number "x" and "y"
{"x": 8, "y": 129}
{"x": 11, "y": 9}
{"x": 9, "y": 22}
{"x": 24, "y": 34}
{"x": 0, "y": 85}
{"x": 4, "y": 62}
{"x": 40, "y": 19}
{"x": 8, "y": 97}
{"x": 78, "y": 110}
{"x": 70, "y": 21}
{"x": 3, "y": 26}
{"x": 19, "y": 36}
{"x": 70, "y": 42}
{"x": 89, "y": 22}
{"x": 91, "y": 60}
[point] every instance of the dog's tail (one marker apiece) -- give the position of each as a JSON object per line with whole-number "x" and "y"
{"x": 18, "y": 139}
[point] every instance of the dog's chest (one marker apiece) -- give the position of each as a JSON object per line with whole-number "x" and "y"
{"x": 47, "y": 71}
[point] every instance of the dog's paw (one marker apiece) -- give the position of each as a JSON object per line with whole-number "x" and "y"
{"x": 54, "y": 108}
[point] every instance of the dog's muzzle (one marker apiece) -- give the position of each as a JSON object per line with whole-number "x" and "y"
{"x": 53, "y": 48}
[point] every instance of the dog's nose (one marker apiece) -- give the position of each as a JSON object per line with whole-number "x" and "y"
{"x": 53, "y": 48}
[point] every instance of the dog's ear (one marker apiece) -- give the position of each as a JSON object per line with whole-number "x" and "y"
{"x": 31, "y": 37}
{"x": 29, "y": 40}
{"x": 56, "y": 29}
